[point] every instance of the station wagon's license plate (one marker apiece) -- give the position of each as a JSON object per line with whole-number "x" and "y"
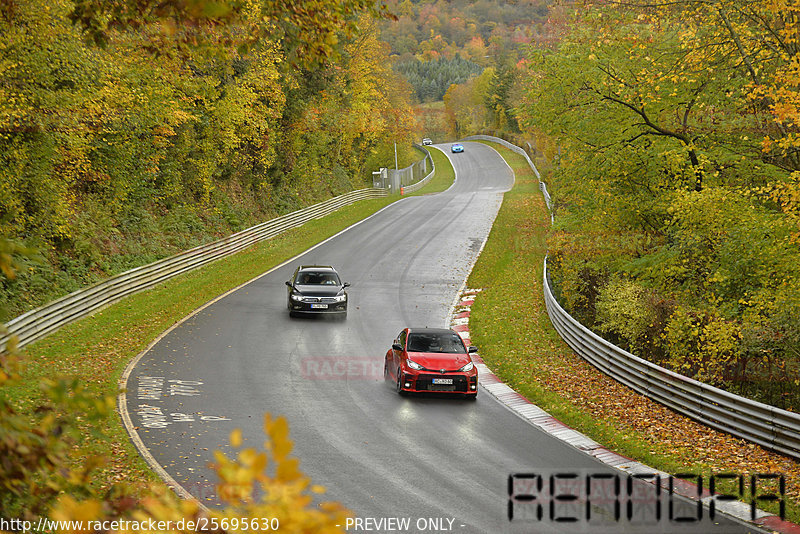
{"x": 448, "y": 381}
{"x": 319, "y": 306}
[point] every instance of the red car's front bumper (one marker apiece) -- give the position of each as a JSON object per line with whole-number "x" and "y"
{"x": 414, "y": 381}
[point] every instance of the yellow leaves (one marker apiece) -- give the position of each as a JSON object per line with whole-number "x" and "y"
{"x": 288, "y": 470}
{"x": 220, "y": 458}
{"x": 785, "y": 194}
{"x": 278, "y": 432}
{"x": 252, "y": 459}
{"x": 163, "y": 505}
{"x": 236, "y": 438}
{"x": 785, "y": 108}
{"x": 68, "y": 509}
{"x": 286, "y": 493}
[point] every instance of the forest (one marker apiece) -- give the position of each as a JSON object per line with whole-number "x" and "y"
{"x": 475, "y": 30}
{"x": 125, "y": 138}
{"x": 442, "y": 44}
{"x": 431, "y": 79}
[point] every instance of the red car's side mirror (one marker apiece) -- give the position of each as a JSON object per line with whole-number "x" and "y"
{"x": 472, "y": 350}
{"x": 397, "y": 346}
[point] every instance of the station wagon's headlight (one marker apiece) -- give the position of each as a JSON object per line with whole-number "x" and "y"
{"x": 467, "y": 367}
{"x": 414, "y": 365}
{"x": 297, "y": 296}
{"x": 340, "y": 298}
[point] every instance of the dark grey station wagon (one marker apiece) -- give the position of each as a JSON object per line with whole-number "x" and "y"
{"x": 316, "y": 289}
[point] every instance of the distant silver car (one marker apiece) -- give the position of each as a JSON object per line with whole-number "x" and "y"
{"x": 427, "y": 141}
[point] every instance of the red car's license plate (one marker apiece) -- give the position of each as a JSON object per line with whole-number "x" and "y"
{"x": 442, "y": 381}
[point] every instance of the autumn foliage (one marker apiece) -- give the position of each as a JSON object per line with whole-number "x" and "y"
{"x": 193, "y": 120}
{"x": 676, "y": 192}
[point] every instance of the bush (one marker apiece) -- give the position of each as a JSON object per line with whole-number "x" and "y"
{"x": 623, "y": 308}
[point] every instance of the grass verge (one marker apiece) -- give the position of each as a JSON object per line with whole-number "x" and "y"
{"x": 98, "y": 348}
{"x": 510, "y": 324}
{"x": 444, "y": 174}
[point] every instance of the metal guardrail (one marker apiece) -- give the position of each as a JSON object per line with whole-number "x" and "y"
{"x": 766, "y": 425}
{"x": 41, "y": 321}
{"x": 760, "y": 423}
{"x": 510, "y": 146}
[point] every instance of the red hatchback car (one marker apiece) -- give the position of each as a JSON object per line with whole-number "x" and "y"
{"x": 431, "y": 360}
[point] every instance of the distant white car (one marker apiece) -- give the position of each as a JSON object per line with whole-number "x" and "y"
{"x": 458, "y": 147}
{"x": 427, "y": 141}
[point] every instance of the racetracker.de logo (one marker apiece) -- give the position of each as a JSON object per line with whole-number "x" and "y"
{"x": 342, "y": 368}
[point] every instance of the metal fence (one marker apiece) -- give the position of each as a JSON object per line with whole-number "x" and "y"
{"x": 412, "y": 175}
{"x": 41, "y": 321}
{"x": 425, "y": 164}
{"x": 760, "y": 423}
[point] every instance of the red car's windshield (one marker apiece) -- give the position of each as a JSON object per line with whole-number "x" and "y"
{"x": 447, "y": 342}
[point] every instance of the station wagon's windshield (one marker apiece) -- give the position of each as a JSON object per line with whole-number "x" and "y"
{"x": 313, "y": 278}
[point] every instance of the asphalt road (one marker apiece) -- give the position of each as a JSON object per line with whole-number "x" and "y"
{"x": 421, "y": 459}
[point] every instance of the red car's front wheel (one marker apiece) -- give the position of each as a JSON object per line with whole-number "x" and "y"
{"x": 400, "y": 382}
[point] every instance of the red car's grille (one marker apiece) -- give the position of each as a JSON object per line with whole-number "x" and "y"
{"x": 425, "y": 383}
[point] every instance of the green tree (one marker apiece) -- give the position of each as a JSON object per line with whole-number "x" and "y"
{"x": 465, "y": 104}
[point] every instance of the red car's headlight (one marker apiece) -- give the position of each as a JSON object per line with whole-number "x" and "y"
{"x": 414, "y": 365}
{"x": 467, "y": 367}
